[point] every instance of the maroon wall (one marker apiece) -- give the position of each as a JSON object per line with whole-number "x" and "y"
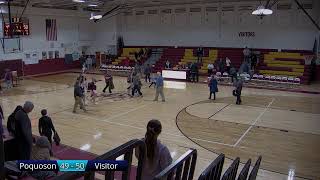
{"x": 13, "y": 65}
{"x": 44, "y": 66}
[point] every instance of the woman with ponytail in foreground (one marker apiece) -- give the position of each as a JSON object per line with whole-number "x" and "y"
{"x": 158, "y": 155}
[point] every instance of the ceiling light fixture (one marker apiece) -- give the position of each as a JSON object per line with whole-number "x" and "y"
{"x": 79, "y": 1}
{"x": 262, "y": 11}
{"x": 92, "y": 5}
{"x": 94, "y": 17}
{"x": 2, "y": 2}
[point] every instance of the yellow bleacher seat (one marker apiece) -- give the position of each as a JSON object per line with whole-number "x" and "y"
{"x": 286, "y": 65}
{"x": 288, "y": 73}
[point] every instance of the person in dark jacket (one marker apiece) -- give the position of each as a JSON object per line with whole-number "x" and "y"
{"x": 213, "y": 86}
{"x": 109, "y": 83}
{"x": 233, "y": 74}
{"x": 23, "y": 131}
{"x": 12, "y": 121}
{"x": 147, "y": 72}
{"x": 238, "y": 90}
{"x": 194, "y": 72}
{"x": 200, "y": 54}
{"x": 78, "y": 97}
{"x": 45, "y": 125}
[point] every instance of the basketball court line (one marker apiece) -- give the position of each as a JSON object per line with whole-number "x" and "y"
{"x": 136, "y": 127}
{"x": 219, "y": 111}
{"x": 256, "y": 120}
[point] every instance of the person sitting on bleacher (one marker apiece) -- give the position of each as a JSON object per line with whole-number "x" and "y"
{"x": 158, "y": 155}
{"x": 41, "y": 151}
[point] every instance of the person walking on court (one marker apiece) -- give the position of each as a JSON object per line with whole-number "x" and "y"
{"x": 194, "y": 72}
{"x": 78, "y": 97}
{"x": 233, "y": 74}
{"x": 238, "y": 90}
{"x": 136, "y": 84}
{"x": 23, "y": 131}
{"x": 147, "y": 72}
{"x": 109, "y": 82}
{"x": 159, "y": 87}
{"x": 8, "y": 78}
{"x": 158, "y": 155}
{"x": 213, "y": 86}
{"x": 45, "y": 126}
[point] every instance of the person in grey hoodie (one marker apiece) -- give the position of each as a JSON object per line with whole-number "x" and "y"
{"x": 136, "y": 84}
{"x": 158, "y": 155}
{"x": 238, "y": 90}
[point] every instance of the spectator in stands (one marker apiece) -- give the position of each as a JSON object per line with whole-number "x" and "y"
{"x": 1, "y": 120}
{"x": 8, "y": 78}
{"x": 254, "y": 60}
{"x": 12, "y": 120}
{"x": 194, "y": 72}
{"x": 158, "y": 155}
{"x": 210, "y": 69}
{"x": 147, "y": 72}
{"x": 238, "y": 90}
{"x": 82, "y": 60}
{"x": 109, "y": 82}
{"x": 41, "y": 151}
{"x": 78, "y": 97}
{"x": 233, "y": 74}
{"x": 94, "y": 61}
{"x": 159, "y": 87}
{"x": 200, "y": 54}
{"x": 23, "y": 131}
{"x": 220, "y": 65}
{"x": 246, "y": 54}
{"x": 167, "y": 65}
{"x": 213, "y": 86}
{"x": 228, "y": 64}
{"x": 136, "y": 84}
{"x": 45, "y": 125}
{"x": 89, "y": 62}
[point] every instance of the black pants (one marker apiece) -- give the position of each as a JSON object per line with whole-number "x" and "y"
{"x": 24, "y": 150}
{"x": 234, "y": 77}
{"x": 195, "y": 76}
{"x": 136, "y": 88}
{"x": 153, "y": 83}
{"x": 214, "y": 95}
{"x": 238, "y": 95}
{"x": 107, "y": 85}
{"x": 148, "y": 77}
{"x": 228, "y": 69}
{"x": 210, "y": 71}
{"x": 49, "y": 136}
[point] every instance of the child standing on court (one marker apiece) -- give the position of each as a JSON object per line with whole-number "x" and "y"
{"x": 45, "y": 125}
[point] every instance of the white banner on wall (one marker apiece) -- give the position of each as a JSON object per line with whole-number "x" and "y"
{"x": 31, "y": 57}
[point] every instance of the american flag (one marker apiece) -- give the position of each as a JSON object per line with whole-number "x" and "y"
{"x": 51, "y": 29}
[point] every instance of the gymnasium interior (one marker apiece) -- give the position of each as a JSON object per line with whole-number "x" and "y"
{"x": 266, "y": 52}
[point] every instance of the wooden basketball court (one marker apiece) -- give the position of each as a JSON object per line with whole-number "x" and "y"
{"x": 281, "y": 126}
